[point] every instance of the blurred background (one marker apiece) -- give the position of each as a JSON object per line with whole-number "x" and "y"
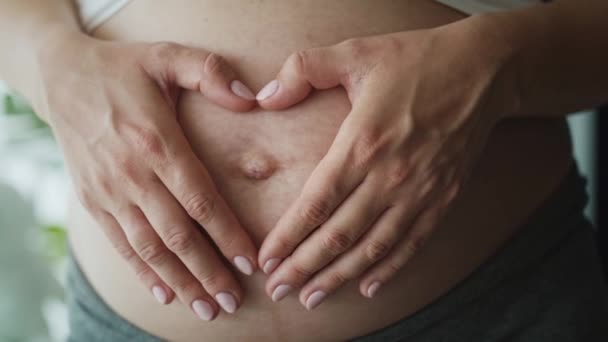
{"x": 34, "y": 189}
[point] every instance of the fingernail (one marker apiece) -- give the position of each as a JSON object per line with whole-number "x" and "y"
{"x": 373, "y": 288}
{"x": 243, "y": 264}
{"x": 315, "y": 299}
{"x": 203, "y": 309}
{"x": 241, "y": 90}
{"x": 268, "y": 90}
{"x": 160, "y": 294}
{"x": 271, "y": 264}
{"x": 280, "y": 292}
{"x": 226, "y": 301}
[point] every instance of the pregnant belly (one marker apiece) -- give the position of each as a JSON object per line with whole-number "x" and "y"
{"x": 260, "y": 160}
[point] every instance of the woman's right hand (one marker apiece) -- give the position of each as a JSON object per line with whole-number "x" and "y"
{"x": 112, "y": 107}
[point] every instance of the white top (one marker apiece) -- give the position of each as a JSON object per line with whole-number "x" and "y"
{"x": 94, "y": 12}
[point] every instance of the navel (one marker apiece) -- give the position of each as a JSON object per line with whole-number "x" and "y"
{"x": 257, "y": 166}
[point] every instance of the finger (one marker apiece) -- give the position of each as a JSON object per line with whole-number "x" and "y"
{"x": 190, "y": 183}
{"x": 199, "y": 70}
{"x": 151, "y": 250}
{"x": 373, "y": 246}
{"x": 407, "y": 248}
{"x": 337, "y": 235}
{"x": 320, "y": 68}
{"x": 161, "y": 291}
{"x": 182, "y": 238}
{"x": 329, "y": 184}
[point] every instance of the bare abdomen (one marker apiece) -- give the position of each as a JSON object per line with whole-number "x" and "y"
{"x": 260, "y": 161}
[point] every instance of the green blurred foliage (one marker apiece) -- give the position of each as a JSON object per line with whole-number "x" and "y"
{"x": 56, "y": 241}
{"x": 55, "y": 236}
{"x": 13, "y": 104}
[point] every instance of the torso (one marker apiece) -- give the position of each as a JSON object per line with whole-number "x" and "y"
{"x": 523, "y": 162}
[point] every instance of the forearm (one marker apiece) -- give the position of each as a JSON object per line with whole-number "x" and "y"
{"x": 25, "y": 26}
{"x": 558, "y": 56}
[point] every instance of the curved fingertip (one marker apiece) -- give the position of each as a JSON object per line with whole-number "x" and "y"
{"x": 239, "y": 89}
{"x": 204, "y": 309}
{"x": 372, "y": 289}
{"x": 234, "y": 95}
{"x": 171, "y": 295}
{"x": 270, "y": 265}
{"x": 160, "y": 294}
{"x": 280, "y": 94}
{"x": 264, "y": 254}
{"x": 244, "y": 264}
{"x": 163, "y": 294}
{"x": 267, "y": 91}
{"x": 227, "y": 301}
{"x": 315, "y": 299}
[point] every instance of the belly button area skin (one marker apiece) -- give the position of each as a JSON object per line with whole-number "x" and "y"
{"x": 257, "y": 166}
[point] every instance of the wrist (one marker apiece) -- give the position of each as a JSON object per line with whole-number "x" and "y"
{"x": 53, "y": 50}
{"x": 498, "y": 40}
{"x": 57, "y": 41}
{"x": 529, "y": 39}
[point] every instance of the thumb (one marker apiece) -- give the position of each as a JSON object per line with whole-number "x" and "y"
{"x": 319, "y": 68}
{"x": 198, "y": 70}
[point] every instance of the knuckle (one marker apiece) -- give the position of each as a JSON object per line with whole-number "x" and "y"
{"x": 213, "y": 63}
{"x": 284, "y": 243}
{"x": 106, "y": 186}
{"x": 337, "y": 242}
{"x": 149, "y": 142}
{"x": 337, "y": 278}
{"x": 179, "y": 241}
{"x": 211, "y": 279}
{"x": 163, "y": 50}
{"x": 453, "y": 192}
{"x": 376, "y": 250}
{"x": 144, "y": 274}
{"x": 412, "y": 247}
{"x": 227, "y": 241}
{"x": 356, "y": 47}
{"x": 392, "y": 43}
{"x": 316, "y": 211}
{"x": 298, "y": 61}
{"x": 125, "y": 251}
{"x": 185, "y": 288}
{"x": 152, "y": 253}
{"x": 85, "y": 199}
{"x": 367, "y": 147}
{"x": 301, "y": 271}
{"x": 393, "y": 268}
{"x": 126, "y": 169}
{"x": 201, "y": 208}
{"x": 428, "y": 186}
{"x": 398, "y": 175}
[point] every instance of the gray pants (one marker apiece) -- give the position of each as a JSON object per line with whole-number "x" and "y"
{"x": 545, "y": 284}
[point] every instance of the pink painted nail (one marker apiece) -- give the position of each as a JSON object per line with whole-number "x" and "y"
{"x": 373, "y": 288}
{"x": 241, "y": 90}
{"x": 203, "y": 309}
{"x": 268, "y": 90}
{"x": 226, "y": 301}
{"x": 243, "y": 264}
{"x": 160, "y": 294}
{"x": 315, "y": 299}
{"x": 271, "y": 264}
{"x": 280, "y": 292}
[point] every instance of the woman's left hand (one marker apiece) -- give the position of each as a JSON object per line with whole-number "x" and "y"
{"x": 423, "y": 104}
